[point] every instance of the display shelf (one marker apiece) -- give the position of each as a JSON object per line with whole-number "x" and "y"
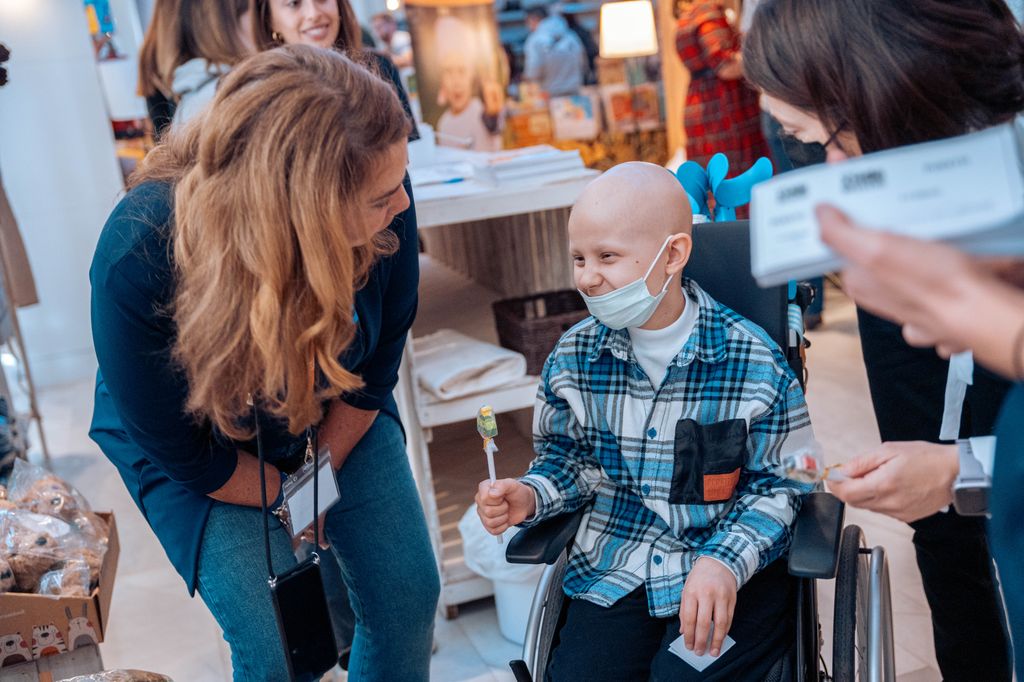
{"x": 507, "y": 241}
{"x": 499, "y": 202}
{"x": 458, "y": 464}
{"x": 444, "y": 449}
{"x": 515, "y": 396}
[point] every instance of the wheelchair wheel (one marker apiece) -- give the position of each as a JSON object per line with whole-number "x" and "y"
{"x": 850, "y": 625}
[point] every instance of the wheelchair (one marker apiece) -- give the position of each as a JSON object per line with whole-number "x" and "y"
{"x": 821, "y": 549}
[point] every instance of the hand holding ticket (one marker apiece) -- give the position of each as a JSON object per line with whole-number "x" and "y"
{"x": 968, "y": 190}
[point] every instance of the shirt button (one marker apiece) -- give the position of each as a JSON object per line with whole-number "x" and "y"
{"x": 645, "y": 489}
{"x": 657, "y": 560}
{"x": 651, "y": 433}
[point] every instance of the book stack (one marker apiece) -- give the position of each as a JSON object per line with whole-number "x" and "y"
{"x": 540, "y": 164}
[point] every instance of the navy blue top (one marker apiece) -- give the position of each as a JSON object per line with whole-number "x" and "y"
{"x": 1007, "y": 507}
{"x": 170, "y": 463}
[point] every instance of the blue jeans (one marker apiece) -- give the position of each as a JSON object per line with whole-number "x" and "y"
{"x": 379, "y": 535}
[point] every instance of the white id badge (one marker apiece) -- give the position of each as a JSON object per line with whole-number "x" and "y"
{"x": 298, "y": 493}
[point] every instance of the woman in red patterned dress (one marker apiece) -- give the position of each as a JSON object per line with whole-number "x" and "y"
{"x": 722, "y": 112}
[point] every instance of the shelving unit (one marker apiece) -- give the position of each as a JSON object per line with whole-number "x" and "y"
{"x": 444, "y": 448}
{"x": 481, "y": 245}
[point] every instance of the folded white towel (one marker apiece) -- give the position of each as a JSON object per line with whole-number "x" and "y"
{"x": 451, "y": 365}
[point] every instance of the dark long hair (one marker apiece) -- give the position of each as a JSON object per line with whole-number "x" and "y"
{"x": 893, "y": 72}
{"x": 350, "y": 37}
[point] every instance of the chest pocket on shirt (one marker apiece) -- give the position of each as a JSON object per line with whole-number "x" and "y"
{"x": 708, "y": 459}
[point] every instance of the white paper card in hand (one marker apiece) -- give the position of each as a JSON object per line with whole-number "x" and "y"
{"x": 678, "y": 647}
{"x": 968, "y": 190}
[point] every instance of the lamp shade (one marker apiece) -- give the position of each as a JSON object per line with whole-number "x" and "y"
{"x": 627, "y": 29}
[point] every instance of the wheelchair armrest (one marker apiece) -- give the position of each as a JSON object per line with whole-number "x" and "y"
{"x": 543, "y": 543}
{"x": 814, "y": 552}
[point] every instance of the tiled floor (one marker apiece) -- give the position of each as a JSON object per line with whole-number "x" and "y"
{"x": 156, "y": 626}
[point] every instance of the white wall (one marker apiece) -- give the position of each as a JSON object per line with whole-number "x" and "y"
{"x": 58, "y": 163}
{"x": 119, "y": 77}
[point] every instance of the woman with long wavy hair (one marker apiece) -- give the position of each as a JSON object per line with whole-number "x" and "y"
{"x": 271, "y": 250}
{"x": 859, "y": 77}
{"x": 189, "y": 45}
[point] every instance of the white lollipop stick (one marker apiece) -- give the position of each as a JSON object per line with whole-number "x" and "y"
{"x": 490, "y": 448}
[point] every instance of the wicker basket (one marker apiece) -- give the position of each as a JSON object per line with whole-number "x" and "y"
{"x": 532, "y": 325}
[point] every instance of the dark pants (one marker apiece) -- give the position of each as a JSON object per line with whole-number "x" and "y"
{"x": 624, "y": 642}
{"x": 907, "y": 390}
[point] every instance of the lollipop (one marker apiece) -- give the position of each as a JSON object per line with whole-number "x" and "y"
{"x": 808, "y": 466}
{"x": 487, "y": 427}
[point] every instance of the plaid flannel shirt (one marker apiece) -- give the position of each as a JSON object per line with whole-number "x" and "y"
{"x": 671, "y": 474}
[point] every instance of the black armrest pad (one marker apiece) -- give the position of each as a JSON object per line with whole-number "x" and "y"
{"x": 543, "y": 543}
{"x": 816, "y": 536}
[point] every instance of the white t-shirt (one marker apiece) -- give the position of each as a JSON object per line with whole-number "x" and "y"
{"x": 655, "y": 349}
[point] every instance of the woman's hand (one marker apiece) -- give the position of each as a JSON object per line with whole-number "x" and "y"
{"x": 307, "y": 535}
{"x": 908, "y": 280}
{"x": 941, "y": 296}
{"x": 342, "y": 428}
{"x": 905, "y": 480}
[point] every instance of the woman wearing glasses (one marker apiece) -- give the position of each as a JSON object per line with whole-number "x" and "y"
{"x": 860, "y": 77}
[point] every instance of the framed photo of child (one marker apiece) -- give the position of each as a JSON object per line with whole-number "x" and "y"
{"x": 461, "y": 71}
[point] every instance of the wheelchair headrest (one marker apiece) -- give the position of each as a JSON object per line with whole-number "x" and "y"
{"x": 720, "y": 264}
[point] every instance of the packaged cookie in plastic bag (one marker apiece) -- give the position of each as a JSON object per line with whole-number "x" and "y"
{"x": 37, "y": 490}
{"x": 33, "y": 543}
{"x": 4, "y": 502}
{"x": 6, "y": 575}
{"x": 70, "y": 578}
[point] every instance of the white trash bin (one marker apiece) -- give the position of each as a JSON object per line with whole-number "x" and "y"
{"x": 514, "y": 584}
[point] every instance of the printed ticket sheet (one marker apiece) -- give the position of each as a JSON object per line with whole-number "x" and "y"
{"x": 967, "y": 190}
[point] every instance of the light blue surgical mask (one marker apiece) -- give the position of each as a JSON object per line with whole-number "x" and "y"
{"x": 631, "y": 305}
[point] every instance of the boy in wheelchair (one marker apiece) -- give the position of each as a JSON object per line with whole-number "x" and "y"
{"x": 667, "y": 414}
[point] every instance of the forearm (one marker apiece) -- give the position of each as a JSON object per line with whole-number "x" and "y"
{"x": 754, "y": 533}
{"x": 342, "y": 428}
{"x": 560, "y": 485}
{"x": 243, "y": 488}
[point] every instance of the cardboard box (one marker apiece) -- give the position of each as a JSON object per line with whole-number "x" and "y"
{"x": 63, "y": 622}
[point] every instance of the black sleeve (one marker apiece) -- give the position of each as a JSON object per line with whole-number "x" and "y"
{"x": 161, "y": 112}
{"x": 133, "y": 341}
{"x": 398, "y": 310}
{"x": 387, "y": 70}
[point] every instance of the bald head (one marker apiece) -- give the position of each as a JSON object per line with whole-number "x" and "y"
{"x": 633, "y": 200}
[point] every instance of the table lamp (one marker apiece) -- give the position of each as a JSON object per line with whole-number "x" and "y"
{"x": 627, "y": 29}
{"x": 628, "y": 32}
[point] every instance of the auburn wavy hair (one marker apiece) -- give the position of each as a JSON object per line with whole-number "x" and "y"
{"x": 181, "y": 30}
{"x": 266, "y": 275}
